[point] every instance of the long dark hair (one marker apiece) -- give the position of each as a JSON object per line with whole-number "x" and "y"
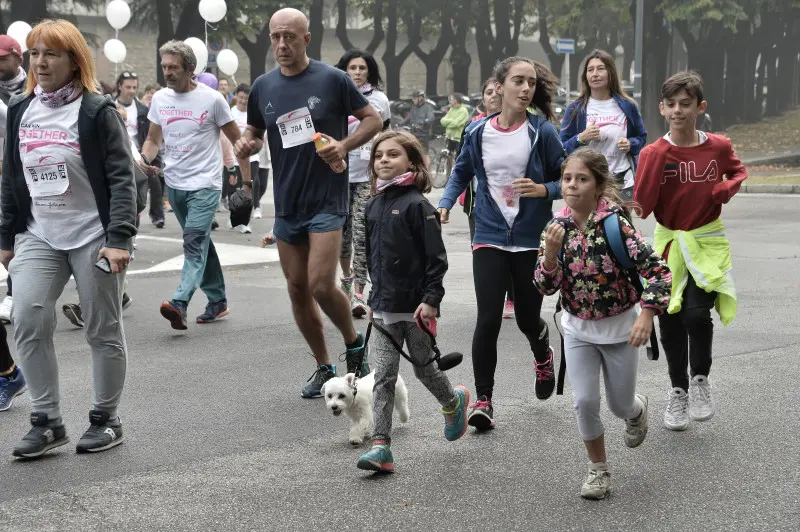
{"x": 414, "y": 152}
{"x": 597, "y": 164}
{"x": 546, "y": 83}
{"x": 373, "y": 72}
{"x": 614, "y": 84}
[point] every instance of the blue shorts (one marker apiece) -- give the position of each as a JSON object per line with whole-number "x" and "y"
{"x": 295, "y": 229}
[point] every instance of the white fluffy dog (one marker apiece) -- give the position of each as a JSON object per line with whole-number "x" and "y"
{"x": 338, "y": 394}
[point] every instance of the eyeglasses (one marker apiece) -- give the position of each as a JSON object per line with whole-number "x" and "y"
{"x": 128, "y": 75}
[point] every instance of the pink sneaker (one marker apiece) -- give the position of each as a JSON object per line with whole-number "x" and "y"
{"x": 508, "y": 312}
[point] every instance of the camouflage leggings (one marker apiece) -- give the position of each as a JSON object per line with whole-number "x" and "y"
{"x": 354, "y": 235}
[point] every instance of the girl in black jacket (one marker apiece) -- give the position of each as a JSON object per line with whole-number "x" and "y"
{"x": 407, "y": 261}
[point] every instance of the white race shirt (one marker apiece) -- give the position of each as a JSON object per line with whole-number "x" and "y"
{"x": 131, "y": 115}
{"x": 611, "y": 330}
{"x": 3, "y": 120}
{"x": 358, "y": 160}
{"x": 613, "y": 124}
{"x": 241, "y": 120}
{"x": 63, "y": 207}
{"x": 191, "y": 122}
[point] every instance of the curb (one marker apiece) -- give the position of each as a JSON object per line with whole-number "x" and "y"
{"x": 770, "y": 189}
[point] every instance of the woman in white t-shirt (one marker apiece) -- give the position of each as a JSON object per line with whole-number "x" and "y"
{"x": 606, "y": 119}
{"x": 68, "y": 209}
{"x": 363, "y": 70}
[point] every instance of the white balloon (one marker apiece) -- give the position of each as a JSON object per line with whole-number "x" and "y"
{"x": 115, "y": 50}
{"x": 212, "y": 10}
{"x": 19, "y": 31}
{"x": 200, "y": 52}
{"x": 118, "y": 14}
{"x": 228, "y": 62}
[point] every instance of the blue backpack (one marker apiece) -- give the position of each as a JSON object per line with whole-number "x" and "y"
{"x": 619, "y": 252}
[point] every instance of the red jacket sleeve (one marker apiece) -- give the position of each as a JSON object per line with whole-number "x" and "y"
{"x": 648, "y": 179}
{"x": 733, "y": 173}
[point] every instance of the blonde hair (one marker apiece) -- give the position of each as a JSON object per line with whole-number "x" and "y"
{"x": 63, "y": 35}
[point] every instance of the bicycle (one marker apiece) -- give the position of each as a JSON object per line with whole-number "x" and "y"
{"x": 442, "y": 164}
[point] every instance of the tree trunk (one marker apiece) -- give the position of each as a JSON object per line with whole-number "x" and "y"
{"x": 392, "y": 60}
{"x": 504, "y": 42}
{"x": 434, "y": 58}
{"x": 707, "y": 56}
{"x": 377, "y": 26}
{"x": 739, "y": 75}
{"x": 257, "y": 51}
{"x": 556, "y": 59}
{"x": 315, "y": 26}
{"x": 654, "y": 60}
{"x": 460, "y": 59}
{"x": 787, "y": 53}
{"x": 341, "y": 25}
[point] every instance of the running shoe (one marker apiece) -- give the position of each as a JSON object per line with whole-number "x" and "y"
{"x": 357, "y": 355}
{"x": 257, "y": 214}
{"x": 73, "y": 313}
{"x": 126, "y": 301}
{"x": 214, "y": 311}
{"x": 103, "y": 433}
{"x": 545, "y": 377}
{"x": 214, "y": 224}
{"x": 322, "y": 375}
{"x": 167, "y": 206}
{"x": 455, "y": 420}
{"x": 45, "y": 434}
{"x": 11, "y": 388}
{"x": 359, "y": 305}
{"x": 701, "y": 403}
{"x": 379, "y": 459}
{"x": 508, "y": 311}
{"x": 481, "y": 414}
{"x": 159, "y": 223}
{"x": 636, "y": 429}
{"x": 175, "y": 312}
{"x": 598, "y": 483}
{"x": 676, "y": 416}
{"x": 5, "y": 309}
{"x": 244, "y": 229}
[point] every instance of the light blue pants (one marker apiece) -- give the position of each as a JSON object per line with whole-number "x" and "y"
{"x": 619, "y": 363}
{"x": 40, "y": 273}
{"x": 201, "y": 267}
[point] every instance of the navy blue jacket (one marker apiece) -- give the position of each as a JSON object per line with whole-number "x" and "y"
{"x": 544, "y": 167}
{"x": 574, "y": 122}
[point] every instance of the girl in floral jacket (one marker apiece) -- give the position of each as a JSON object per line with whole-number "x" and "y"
{"x": 602, "y": 328}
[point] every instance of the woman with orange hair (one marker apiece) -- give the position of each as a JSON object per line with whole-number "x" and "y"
{"x": 68, "y": 203}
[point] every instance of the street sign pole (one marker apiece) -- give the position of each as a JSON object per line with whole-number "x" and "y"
{"x": 639, "y": 40}
{"x": 567, "y": 47}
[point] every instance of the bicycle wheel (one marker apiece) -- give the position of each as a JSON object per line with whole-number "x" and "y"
{"x": 439, "y": 176}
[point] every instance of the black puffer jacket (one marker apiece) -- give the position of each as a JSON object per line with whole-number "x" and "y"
{"x": 406, "y": 256}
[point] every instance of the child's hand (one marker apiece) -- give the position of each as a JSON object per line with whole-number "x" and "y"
{"x": 426, "y": 311}
{"x": 444, "y": 215}
{"x": 267, "y": 240}
{"x": 642, "y": 329}
{"x": 554, "y": 238}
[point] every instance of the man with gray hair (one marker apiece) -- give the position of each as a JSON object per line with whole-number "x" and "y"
{"x": 188, "y": 117}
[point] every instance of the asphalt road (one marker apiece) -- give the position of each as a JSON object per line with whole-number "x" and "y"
{"x": 218, "y": 438}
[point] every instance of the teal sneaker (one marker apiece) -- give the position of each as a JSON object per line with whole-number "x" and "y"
{"x": 455, "y": 420}
{"x": 322, "y": 375}
{"x": 379, "y": 458}
{"x": 357, "y": 355}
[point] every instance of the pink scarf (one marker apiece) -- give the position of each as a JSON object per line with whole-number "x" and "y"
{"x": 66, "y": 94}
{"x": 405, "y": 180}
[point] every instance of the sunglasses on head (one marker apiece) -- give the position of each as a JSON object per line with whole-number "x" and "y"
{"x": 128, "y": 75}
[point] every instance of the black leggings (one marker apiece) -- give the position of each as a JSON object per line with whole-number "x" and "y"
{"x": 262, "y": 175}
{"x": 5, "y": 354}
{"x": 8, "y": 281}
{"x": 490, "y": 269}
{"x": 510, "y": 288}
{"x": 687, "y": 336}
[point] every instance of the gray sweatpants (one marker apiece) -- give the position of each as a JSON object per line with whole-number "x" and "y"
{"x": 386, "y": 360}
{"x": 619, "y": 363}
{"x": 40, "y": 273}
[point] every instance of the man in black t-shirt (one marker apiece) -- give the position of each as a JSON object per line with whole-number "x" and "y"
{"x": 291, "y": 103}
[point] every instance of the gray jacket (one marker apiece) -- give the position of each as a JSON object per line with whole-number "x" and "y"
{"x": 420, "y": 115}
{"x": 106, "y": 153}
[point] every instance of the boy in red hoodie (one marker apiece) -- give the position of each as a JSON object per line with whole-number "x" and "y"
{"x": 684, "y": 178}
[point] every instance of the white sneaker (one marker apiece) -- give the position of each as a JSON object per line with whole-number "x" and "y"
{"x": 701, "y": 404}
{"x": 257, "y": 214}
{"x": 636, "y": 429}
{"x": 598, "y": 484}
{"x": 676, "y": 416}
{"x": 5, "y": 310}
{"x": 245, "y": 229}
{"x": 229, "y": 224}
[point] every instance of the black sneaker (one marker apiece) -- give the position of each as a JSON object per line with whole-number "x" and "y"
{"x": 73, "y": 314}
{"x": 102, "y": 434}
{"x": 545, "y": 377}
{"x": 45, "y": 435}
{"x": 159, "y": 223}
{"x": 357, "y": 356}
{"x": 126, "y": 301}
{"x": 175, "y": 312}
{"x": 313, "y": 389}
{"x": 481, "y": 414}
{"x": 214, "y": 311}
{"x": 214, "y": 224}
